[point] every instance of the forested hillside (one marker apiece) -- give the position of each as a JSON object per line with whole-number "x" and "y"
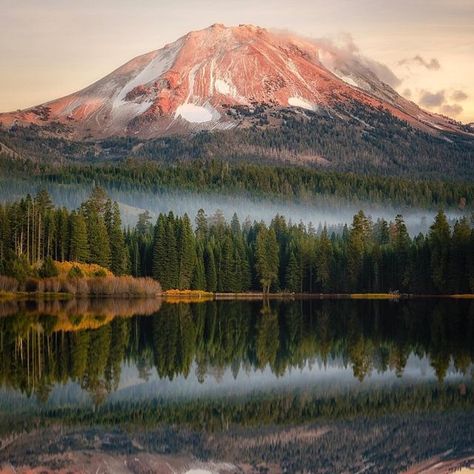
{"x": 216, "y": 255}
{"x": 371, "y": 142}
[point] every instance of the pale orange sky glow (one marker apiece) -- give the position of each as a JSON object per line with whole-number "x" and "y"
{"x": 54, "y": 47}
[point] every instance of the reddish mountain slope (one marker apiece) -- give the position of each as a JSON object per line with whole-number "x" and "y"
{"x": 198, "y": 82}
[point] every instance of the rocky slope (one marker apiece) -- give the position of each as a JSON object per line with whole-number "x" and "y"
{"x": 217, "y": 78}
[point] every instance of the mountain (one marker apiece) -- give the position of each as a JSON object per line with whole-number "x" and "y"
{"x": 226, "y": 77}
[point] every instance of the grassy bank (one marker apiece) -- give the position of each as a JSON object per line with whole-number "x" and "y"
{"x": 200, "y": 296}
{"x": 129, "y": 287}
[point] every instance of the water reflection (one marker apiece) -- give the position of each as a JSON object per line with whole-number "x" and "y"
{"x": 91, "y": 342}
{"x": 392, "y": 380}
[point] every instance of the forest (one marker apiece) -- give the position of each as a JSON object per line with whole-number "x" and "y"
{"x": 283, "y": 182}
{"x": 278, "y": 181}
{"x": 212, "y": 254}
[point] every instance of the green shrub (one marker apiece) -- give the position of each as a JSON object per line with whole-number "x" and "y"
{"x": 48, "y": 269}
{"x": 75, "y": 272}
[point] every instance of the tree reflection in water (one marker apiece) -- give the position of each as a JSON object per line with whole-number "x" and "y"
{"x": 88, "y": 341}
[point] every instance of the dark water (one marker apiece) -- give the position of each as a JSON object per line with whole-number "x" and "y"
{"x": 382, "y": 380}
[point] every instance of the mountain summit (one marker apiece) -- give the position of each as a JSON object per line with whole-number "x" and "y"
{"x": 218, "y": 78}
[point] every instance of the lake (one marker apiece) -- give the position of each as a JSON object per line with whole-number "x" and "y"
{"x": 238, "y": 386}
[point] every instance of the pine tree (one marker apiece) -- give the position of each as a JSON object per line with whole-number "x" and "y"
{"x": 199, "y": 274}
{"x": 62, "y": 237}
{"x": 98, "y": 238}
{"x": 439, "y": 239}
{"x": 165, "y": 265}
{"x": 186, "y": 253}
{"x": 118, "y": 251}
{"x": 79, "y": 245}
{"x": 293, "y": 280}
{"x": 227, "y": 275}
{"x": 356, "y": 246}
{"x": 458, "y": 268}
{"x": 210, "y": 267}
{"x": 267, "y": 258}
{"x": 201, "y": 225}
{"x": 324, "y": 261}
{"x": 143, "y": 224}
{"x": 97, "y": 200}
{"x": 172, "y": 259}
{"x": 160, "y": 254}
{"x": 401, "y": 244}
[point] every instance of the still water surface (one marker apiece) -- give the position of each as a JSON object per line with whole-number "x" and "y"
{"x": 99, "y": 351}
{"x": 233, "y": 365}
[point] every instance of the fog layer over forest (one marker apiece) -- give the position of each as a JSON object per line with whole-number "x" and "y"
{"x": 319, "y": 210}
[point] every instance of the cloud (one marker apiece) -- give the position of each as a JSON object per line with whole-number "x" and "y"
{"x": 458, "y": 96}
{"x": 433, "y": 64}
{"x": 439, "y": 100}
{"x": 383, "y": 72}
{"x": 343, "y": 54}
{"x": 407, "y": 93}
{"x": 451, "y": 109}
{"x": 432, "y": 99}
{"x": 346, "y": 49}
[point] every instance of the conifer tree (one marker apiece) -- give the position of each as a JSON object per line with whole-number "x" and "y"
{"x": 439, "y": 239}
{"x": 108, "y": 215}
{"x": 458, "y": 268}
{"x": 198, "y": 281}
{"x": 201, "y": 225}
{"x": 79, "y": 245}
{"x": 143, "y": 224}
{"x": 160, "y": 254}
{"x": 267, "y": 258}
{"x": 356, "y": 246}
{"x": 324, "y": 261}
{"x": 118, "y": 251}
{"x": 210, "y": 267}
{"x": 401, "y": 243}
{"x": 227, "y": 275}
{"x": 172, "y": 259}
{"x": 186, "y": 253}
{"x": 293, "y": 280}
{"x": 98, "y": 238}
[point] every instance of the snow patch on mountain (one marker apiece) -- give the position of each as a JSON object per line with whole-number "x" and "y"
{"x": 303, "y": 103}
{"x": 225, "y": 88}
{"x": 197, "y": 113}
{"x": 347, "y": 80}
{"x": 161, "y": 63}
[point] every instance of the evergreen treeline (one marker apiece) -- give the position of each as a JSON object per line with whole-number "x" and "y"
{"x": 217, "y": 255}
{"x": 366, "y": 257}
{"x": 33, "y": 233}
{"x": 290, "y": 182}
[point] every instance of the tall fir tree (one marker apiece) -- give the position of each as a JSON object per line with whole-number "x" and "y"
{"x": 210, "y": 267}
{"x": 118, "y": 251}
{"x": 160, "y": 254}
{"x": 98, "y": 238}
{"x": 267, "y": 258}
{"x": 439, "y": 239}
{"x": 186, "y": 253}
{"x": 79, "y": 243}
{"x": 198, "y": 281}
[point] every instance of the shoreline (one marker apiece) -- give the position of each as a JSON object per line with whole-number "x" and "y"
{"x": 175, "y": 296}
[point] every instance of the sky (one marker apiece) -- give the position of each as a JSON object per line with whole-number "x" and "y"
{"x": 50, "y": 48}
